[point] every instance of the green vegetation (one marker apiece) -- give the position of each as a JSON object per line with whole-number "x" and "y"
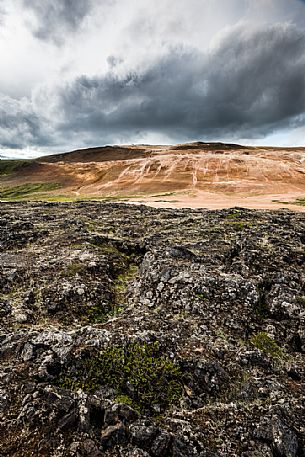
{"x": 99, "y": 314}
{"x": 8, "y": 167}
{"x": 123, "y": 270}
{"x": 201, "y": 296}
{"x": 141, "y": 374}
{"x": 124, "y": 399}
{"x": 239, "y": 225}
{"x": 166, "y": 194}
{"x": 300, "y": 300}
{"x": 56, "y": 198}
{"x": 234, "y": 215}
{"x": 264, "y": 343}
{"x": 73, "y": 269}
{"x": 121, "y": 282}
{"x": 299, "y": 201}
{"x": 25, "y": 191}
{"x": 235, "y": 219}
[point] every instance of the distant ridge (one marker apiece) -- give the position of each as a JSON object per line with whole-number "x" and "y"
{"x": 213, "y": 145}
{"x": 96, "y": 154}
{"x": 198, "y": 174}
{"x": 113, "y": 152}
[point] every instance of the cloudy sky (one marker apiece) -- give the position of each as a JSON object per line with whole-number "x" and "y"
{"x": 78, "y": 73}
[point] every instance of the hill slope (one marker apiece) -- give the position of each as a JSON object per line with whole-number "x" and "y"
{"x": 195, "y": 174}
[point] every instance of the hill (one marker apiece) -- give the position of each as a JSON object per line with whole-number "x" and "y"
{"x": 212, "y": 175}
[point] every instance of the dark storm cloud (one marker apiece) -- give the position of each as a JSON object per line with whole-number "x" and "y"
{"x": 20, "y": 126}
{"x": 252, "y": 83}
{"x": 56, "y": 18}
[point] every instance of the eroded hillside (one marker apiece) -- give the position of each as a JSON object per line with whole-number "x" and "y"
{"x": 212, "y": 175}
{"x": 131, "y": 331}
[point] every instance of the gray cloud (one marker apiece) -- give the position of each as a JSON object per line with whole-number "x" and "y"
{"x": 56, "y": 18}
{"x": 2, "y": 11}
{"x": 250, "y": 84}
{"x": 20, "y": 125}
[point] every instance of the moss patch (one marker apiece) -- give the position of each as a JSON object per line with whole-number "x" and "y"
{"x": 140, "y": 373}
{"x": 73, "y": 269}
{"x": 300, "y": 300}
{"x": 264, "y": 343}
{"x": 123, "y": 270}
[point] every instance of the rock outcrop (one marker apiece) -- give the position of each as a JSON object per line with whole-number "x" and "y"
{"x": 131, "y": 331}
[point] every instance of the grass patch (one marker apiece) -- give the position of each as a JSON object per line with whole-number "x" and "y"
{"x": 26, "y": 190}
{"x": 141, "y": 374}
{"x": 8, "y": 167}
{"x": 264, "y": 343}
{"x": 22, "y": 192}
{"x": 57, "y": 198}
{"x": 165, "y": 194}
{"x": 299, "y": 201}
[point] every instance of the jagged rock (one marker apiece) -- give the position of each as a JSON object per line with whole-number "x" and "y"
{"x": 143, "y": 434}
{"x": 161, "y": 445}
{"x": 220, "y": 294}
{"x": 285, "y": 442}
{"x": 5, "y": 308}
{"x": 114, "y": 435}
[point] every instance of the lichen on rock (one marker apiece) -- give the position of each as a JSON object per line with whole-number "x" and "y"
{"x": 131, "y": 331}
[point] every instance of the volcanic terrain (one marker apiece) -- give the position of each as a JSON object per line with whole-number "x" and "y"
{"x": 210, "y": 175}
{"x": 129, "y": 331}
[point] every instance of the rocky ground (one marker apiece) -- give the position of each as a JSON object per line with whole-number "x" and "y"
{"x": 133, "y": 331}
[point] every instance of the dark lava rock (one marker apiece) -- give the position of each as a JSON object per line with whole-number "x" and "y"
{"x": 127, "y": 331}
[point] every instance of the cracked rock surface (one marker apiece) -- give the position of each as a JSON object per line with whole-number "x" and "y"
{"x": 138, "y": 332}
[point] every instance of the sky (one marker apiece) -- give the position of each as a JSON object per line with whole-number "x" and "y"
{"x": 82, "y": 73}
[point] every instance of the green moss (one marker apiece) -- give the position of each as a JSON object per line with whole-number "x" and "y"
{"x": 234, "y": 215}
{"x": 73, "y": 269}
{"x": 123, "y": 271}
{"x": 201, "y": 296}
{"x": 25, "y": 191}
{"x": 124, "y": 399}
{"x": 100, "y": 314}
{"x": 140, "y": 373}
{"x": 300, "y": 300}
{"x": 239, "y": 225}
{"x": 264, "y": 343}
{"x": 121, "y": 282}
